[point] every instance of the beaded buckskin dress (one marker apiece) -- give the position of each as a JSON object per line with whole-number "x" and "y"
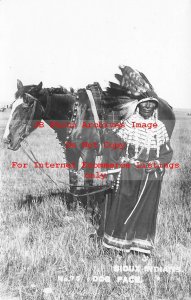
{"x": 129, "y": 215}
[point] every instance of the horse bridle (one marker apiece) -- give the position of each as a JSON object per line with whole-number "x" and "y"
{"x": 36, "y": 101}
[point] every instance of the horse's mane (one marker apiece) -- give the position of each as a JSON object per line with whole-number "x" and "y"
{"x": 56, "y": 90}
{"x": 32, "y": 89}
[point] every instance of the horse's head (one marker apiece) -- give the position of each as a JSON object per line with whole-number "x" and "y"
{"x": 25, "y": 110}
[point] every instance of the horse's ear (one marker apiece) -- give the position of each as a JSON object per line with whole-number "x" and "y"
{"x": 39, "y": 86}
{"x": 19, "y": 84}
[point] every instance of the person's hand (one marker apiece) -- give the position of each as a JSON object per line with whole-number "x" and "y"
{"x": 152, "y": 166}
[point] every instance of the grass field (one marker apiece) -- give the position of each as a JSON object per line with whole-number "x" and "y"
{"x": 45, "y": 252}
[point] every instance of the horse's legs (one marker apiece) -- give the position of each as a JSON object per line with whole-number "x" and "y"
{"x": 88, "y": 181}
{"x": 72, "y": 156}
{"x": 73, "y": 181}
{"x": 88, "y": 172}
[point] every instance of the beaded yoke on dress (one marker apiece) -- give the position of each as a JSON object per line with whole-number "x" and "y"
{"x": 143, "y": 140}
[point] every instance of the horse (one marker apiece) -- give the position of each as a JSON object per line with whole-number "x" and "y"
{"x": 63, "y": 111}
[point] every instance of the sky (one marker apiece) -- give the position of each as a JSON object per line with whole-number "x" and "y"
{"x": 77, "y": 42}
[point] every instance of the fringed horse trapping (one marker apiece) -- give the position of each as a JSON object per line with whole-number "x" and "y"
{"x": 57, "y": 107}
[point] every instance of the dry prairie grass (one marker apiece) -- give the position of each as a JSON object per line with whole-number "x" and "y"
{"x": 44, "y": 245}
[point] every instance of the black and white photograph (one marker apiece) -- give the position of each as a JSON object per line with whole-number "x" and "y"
{"x": 95, "y": 159}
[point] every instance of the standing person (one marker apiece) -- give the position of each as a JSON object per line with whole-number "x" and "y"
{"x": 129, "y": 216}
